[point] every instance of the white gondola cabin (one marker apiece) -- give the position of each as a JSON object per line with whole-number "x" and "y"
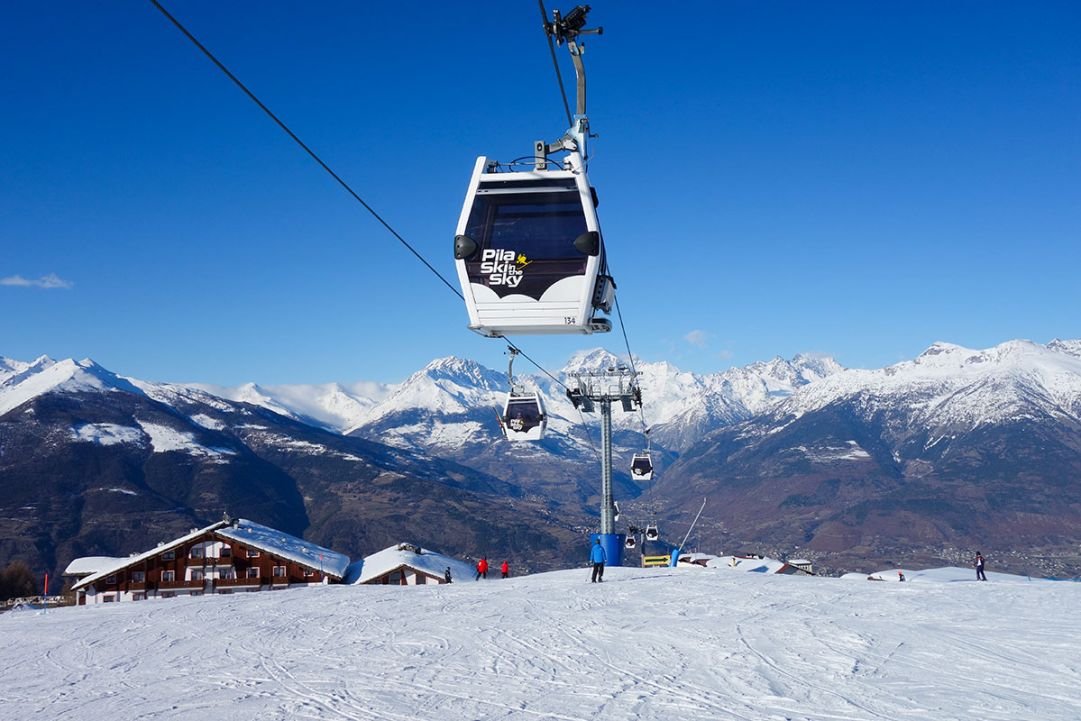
{"x": 642, "y": 467}
{"x": 523, "y": 417}
{"x": 652, "y": 534}
{"x": 529, "y": 252}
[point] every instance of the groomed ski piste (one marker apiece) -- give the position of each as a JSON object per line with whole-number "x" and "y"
{"x": 686, "y": 643}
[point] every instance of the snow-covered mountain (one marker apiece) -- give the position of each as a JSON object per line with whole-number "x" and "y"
{"x": 955, "y": 447}
{"x": 955, "y": 389}
{"x": 798, "y": 451}
{"x": 334, "y": 406}
{"x": 450, "y": 401}
{"x": 92, "y": 463}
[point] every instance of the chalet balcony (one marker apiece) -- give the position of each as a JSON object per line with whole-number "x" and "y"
{"x": 170, "y": 585}
{"x": 233, "y": 582}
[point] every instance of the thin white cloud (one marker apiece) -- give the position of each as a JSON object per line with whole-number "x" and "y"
{"x": 726, "y": 354}
{"x": 50, "y": 281}
{"x": 697, "y": 338}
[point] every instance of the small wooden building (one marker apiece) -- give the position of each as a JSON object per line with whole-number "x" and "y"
{"x": 225, "y": 557}
{"x": 407, "y": 564}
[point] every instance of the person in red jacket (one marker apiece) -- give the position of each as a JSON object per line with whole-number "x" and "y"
{"x": 482, "y": 569}
{"x": 505, "y": 568}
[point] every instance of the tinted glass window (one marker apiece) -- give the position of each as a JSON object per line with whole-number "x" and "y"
{"x": 523, "y": 414}
{"x": 542, "y": 226}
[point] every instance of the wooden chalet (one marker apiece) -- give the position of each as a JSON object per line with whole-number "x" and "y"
{"x": 225, "y": 557}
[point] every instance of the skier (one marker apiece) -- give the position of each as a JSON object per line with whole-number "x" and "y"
{"x": 597, "y": 557}
{"x": 505, "y": 568}
{"x": 979, "y": 567}
{"x": 900, "y": 575}
{"x": 446, "y": 575}
{"x": 482, "y": 568}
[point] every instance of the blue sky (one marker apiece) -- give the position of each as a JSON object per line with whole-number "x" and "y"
{"x": 857, "y": 179}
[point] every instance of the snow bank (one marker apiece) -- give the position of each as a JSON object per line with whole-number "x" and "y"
{"x": 950, "y": 574}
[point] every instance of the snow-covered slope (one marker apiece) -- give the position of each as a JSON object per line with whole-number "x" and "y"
{"x": 334, "y": 406}
{"x": 646, "y": 644}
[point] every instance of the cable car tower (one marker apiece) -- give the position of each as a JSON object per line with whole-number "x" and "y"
{"x": 603, "y": 388}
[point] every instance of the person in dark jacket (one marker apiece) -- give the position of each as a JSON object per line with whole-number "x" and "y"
{"x": 979, "y": 567}
{"x": 597, "y": 557}
{"x": 505, "y": 568}
{"x": 482, "y": 568}
{"x": 446, "y": 575}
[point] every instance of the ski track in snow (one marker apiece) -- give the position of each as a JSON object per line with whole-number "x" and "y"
{"x": 647, "y": 644}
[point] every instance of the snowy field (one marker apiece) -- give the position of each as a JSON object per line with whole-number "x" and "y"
{"x": 647, "y": 644}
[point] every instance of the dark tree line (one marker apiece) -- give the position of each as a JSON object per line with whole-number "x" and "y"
{"x": 17, "y": 580}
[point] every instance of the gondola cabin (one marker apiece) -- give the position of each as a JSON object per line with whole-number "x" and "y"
{"x": 642, "y": 467}
{"x": 529, "y": 252}
{"x": 523, "y": 417}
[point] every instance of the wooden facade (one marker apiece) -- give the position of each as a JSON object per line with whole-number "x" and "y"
{"x": 406, "y": 575}
{"x": 200, "y": 563}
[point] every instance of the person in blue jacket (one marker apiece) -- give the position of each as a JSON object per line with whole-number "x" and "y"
{"x": 597, "y": 557}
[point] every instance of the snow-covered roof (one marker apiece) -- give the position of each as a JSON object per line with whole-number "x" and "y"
{"x": 287, "y": 546}
{"x": 140, "y": 557}
{"x": 91, "y": 564}
{"x": 742, "y": 563}
{"x": 427, "y": 561}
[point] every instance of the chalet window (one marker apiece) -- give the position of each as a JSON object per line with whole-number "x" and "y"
{"x": 110, "y": 579}
{"x": 197, "y": 574}
{"x": 225, "y": 591}
{"x": 308, "y": 573}
{"x": 279, "y": 572}
{"x": 138, "y": 576}
{"x": 168, "y": 556}
{"x": 226, "y": 552}
{"x": 168, "y": 576}
{"x": 253, "y": 553}
{"x": 196, "y": 551}
{"x": 421, "y": 579}
{"x": 139, "y": 596}
{"x": 253, "y": 573}
{"x": 227, "y": 574}
{"x": 108, "y": 598}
